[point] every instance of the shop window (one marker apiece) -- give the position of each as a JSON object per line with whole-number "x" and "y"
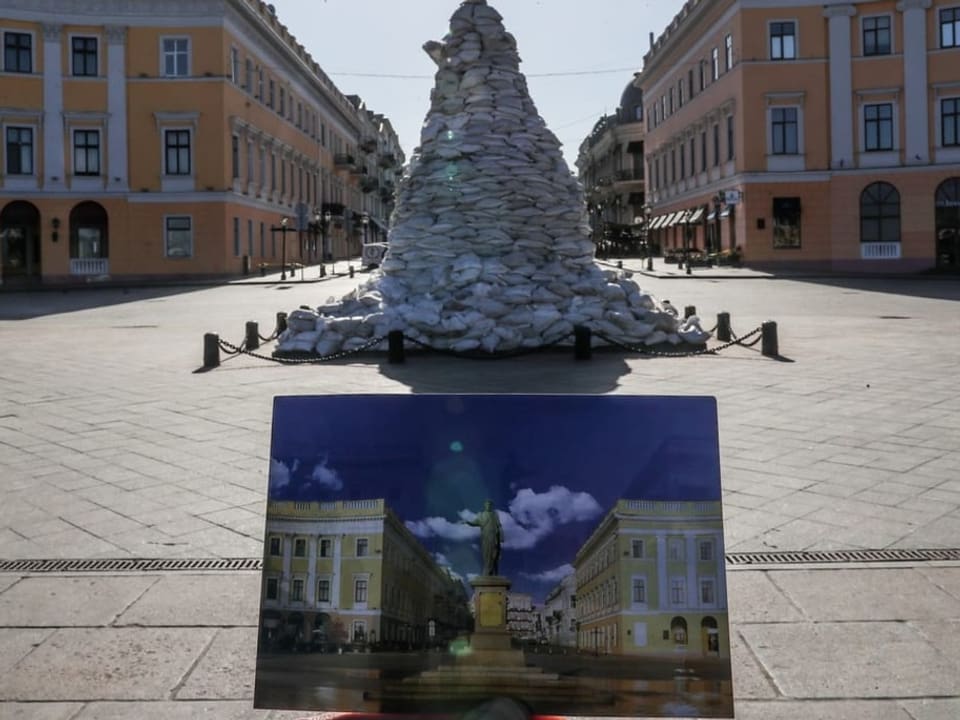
{"x": 786, "y": 222}
{"x": 178, "y": 243}
{"x": 880, "y": 213}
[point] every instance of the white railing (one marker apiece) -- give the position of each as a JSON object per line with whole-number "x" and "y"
{"x": 880, "y": 251}
{"x": 89, "y": 266}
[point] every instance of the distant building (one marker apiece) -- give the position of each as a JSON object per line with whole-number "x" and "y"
{"x": 559, "y": 613}
{"x": 818, "y": 136}
{"x": 650, "y": 580}
{"x": 521, "y": 620}
{"x": 154, "y": 140}
{"x": 350, "y": 571}
{"x": 611, "y": 168}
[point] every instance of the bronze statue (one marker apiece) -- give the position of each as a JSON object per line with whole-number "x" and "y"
{"x": 491, "y": 537}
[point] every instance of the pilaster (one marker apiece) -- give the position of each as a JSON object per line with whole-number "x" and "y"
{"x": 916, "y": 106}
{"x": 117, "y": 136}
{"x": 841, "y": 84}
{"x": 54, "y": 169}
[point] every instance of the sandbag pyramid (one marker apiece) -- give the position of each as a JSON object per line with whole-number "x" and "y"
{"x": 489, "y": 244}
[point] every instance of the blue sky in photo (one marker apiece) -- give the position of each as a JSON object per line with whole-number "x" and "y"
{"x": 553, "y": 466}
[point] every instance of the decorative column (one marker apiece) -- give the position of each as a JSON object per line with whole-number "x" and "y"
{"x": 916, "y": 102}
{"x": 663, "y": 592}
{"x": 53, "y": 152}
{"x": 337, "y": 572}
{"x": 841, "y": 85}
{"x": 693, "y": 589}
{"x": 285, "y": 576}
{"x": 311, "y": 588}
{"x": 117, "y": 177}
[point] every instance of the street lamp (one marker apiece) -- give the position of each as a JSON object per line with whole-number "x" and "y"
{"x": 686, "y": 241}
{"x": 647, "y": 212}
{"x": 365, "y": 221}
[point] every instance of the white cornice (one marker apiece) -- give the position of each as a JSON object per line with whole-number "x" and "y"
{"x": 174, "y": 13}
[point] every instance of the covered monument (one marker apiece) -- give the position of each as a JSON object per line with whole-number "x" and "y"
{"x": 489, "y": 244}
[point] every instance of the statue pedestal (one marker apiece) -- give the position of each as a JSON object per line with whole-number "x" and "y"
{"x": 490, "y": 641}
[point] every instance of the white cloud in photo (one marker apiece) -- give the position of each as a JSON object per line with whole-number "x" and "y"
{"x": 551, "y": 576}
{"x": 326, "y": 477}
{"x": 279, "y": 474}
{"x": 432, "y": 527}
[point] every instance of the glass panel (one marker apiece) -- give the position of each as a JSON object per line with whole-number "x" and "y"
{"x": 89, "y": 242}
{"x": 890, "y": 229}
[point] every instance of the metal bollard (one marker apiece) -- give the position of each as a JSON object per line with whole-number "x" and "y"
{"x": 724, "y": 333}
{"x": 252, "y": 341}
{"x": 211, "y": 350}
{"x": 769, "y": 344}
{"x": 323, "y": 271}
{"x": 281, "y": 322}
{"x": 351, "y": 271}
{"x": 689, "y": 311}
{"x": 620, "y": 264}
{"x": 582, "y": 343}
{"x": 395, "y": 351}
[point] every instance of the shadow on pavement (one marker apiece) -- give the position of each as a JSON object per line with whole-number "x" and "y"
{"x": 934, "y": 287}
{"x": 33, "y": 304}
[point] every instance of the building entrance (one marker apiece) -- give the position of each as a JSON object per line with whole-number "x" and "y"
{"x": 947, "y": 214}
{"x": 20, "y": 243}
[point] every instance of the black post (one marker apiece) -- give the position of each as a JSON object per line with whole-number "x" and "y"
{"x": 253, "y": 336}
{"x": 770, "y": 344}
{"x": 323, "y": 270}
{"x": 211, "y": 350}
{"x": 283, "y": 253}
{"x": 395, "y": 354}
{"x": 281, "y": 322}
{"x": 689, "y": 311}
{"x": 723, "y": 327}
{"x": 351, "y": 271}
{"x": 620, "y": 264}
{"x": 582, "y": 347}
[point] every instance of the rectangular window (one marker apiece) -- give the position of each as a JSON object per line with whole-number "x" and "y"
{"x": 703, "y": 77}
{"x": 19, "y": 145}
{"x": 326, "y": 547}
{"x": 323, "y": 590}
{"x": 273, "y": 172}
{"x": 86, "y": 152}
{"x": 690, "y": 82}
{"x": 248, "y": 79}
{"x": 296, "y": 590}
{"x": 878, "y": 127}
{"x": 259, "y": 84}
{"x": 730, "y": 145}
{"x": 363, "y": 546}
{"x": 783, "y": 41}
{"x": 716, "y": 144}
{"x": 177, "y": 147}
{"x": 727, "y": 53}
{"x": 300, "y": 547}
{"x": 670, "y": 98}
{"x": 283, "y": 101}
{"x": 18, "y": 52}
{"x": 176, "y": 57}
{"x": 678, "y": 591}
{"x": 876, "y": 35}
{"x": 707, "y": 593}
{"x": 703, "y": 151}
{"x": 236, "y": 237}
{"x": 715, "y": 64}
{"x": 359, "y": 631}
{"x": 234, "y": 66}
{"x": 786, "y": 222}
{"x": 639, "y": 590}
{"x": 273, "y": 588}
{"x": 276, "y": 547}
{"x": 950, "y": 122}
{"x": 706, "y": 550}
{"x": 683, "y": 161}
{"x": 950, "y": 27}
{"x": 273, "y": 94}
{"x": 250, "y": 249}
{"x": 84, "y": 57}
{"x": 680, "y": 97}
{"x": 693, "y": 157}
{"x": 636, "y": 547}
{"x": 673, "y": 165}
{"x": 263, "y": 240}
{"x": 675, "y": 550}
{"x": 784, "y": 127}
{"x": 235, "y": 157}
{"x": 178, "y": 243}
{"x": 360, "y": 590}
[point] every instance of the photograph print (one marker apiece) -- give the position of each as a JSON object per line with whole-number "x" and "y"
{"x": 428, "y": 553}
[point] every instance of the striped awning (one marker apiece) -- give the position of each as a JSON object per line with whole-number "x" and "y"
{"x": 696, "y": 215}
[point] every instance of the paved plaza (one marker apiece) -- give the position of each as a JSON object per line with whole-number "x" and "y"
{"x": 113, "y": 445}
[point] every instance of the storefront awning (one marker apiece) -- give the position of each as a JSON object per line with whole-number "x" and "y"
{"x": 658, "y": 222}
{"x": 675, "y": 218}
{"x": 696, "y": 215}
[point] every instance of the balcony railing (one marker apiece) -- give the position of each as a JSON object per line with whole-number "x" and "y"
{"x": 880, "y": 251}
{"x": 388, "y": 160}
{"x": 89, "y": 266}
{"x": 343, "y": 160}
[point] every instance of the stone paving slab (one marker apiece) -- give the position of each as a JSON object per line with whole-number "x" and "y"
{"x": 70, "y": 601}
{"x": 106, "y": 663}
{"x": 224, "y": 600}
{"x": 226, "y": 670}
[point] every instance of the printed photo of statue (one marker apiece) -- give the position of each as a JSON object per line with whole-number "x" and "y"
{"x": 491, "y": 537}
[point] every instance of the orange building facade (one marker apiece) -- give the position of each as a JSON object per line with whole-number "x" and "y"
{"x": 184, "y": 138}
{"x": 807, "y": 135}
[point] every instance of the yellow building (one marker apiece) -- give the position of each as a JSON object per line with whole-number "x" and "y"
{"x": 350, "y": 571}
{"x": 170, "y": 139}
{"x": 821, "y": 136}
{"x": 650, "y": 580}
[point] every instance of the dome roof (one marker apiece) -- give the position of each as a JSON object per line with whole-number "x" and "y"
{"x": 632, "y": 96}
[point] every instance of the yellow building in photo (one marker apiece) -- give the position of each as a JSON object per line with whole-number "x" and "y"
{"x": 821, "y": 136}
{"x": 350, "y": 572}
{"x": 650, "y": 581}
{"x": 162, "y": 140}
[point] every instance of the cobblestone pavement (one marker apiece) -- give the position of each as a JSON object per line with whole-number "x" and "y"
{"x": 112, "y": 446}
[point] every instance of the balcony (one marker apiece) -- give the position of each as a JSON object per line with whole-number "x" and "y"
{"x": 343, "y": 160}
{"x": 368, "y": 145}
{"x": 89, "y": 267}
{"x": 628, "y": 175}
{"x": 388, "y": 160}
{"x": 368, "y": 184}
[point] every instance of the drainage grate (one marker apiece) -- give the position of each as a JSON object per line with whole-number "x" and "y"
{"x": 802, "y": 557}
{"x": 130, "y": 565}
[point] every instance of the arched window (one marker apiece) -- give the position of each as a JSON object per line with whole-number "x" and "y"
{"x": 88, "y": 231}
{"x": 880, "y": 213}
{"x": 678, "y": 628}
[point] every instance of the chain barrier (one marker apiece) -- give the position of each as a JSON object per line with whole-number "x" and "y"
{"x": 235, "y": 350}
{"x": 687, "y": 353}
